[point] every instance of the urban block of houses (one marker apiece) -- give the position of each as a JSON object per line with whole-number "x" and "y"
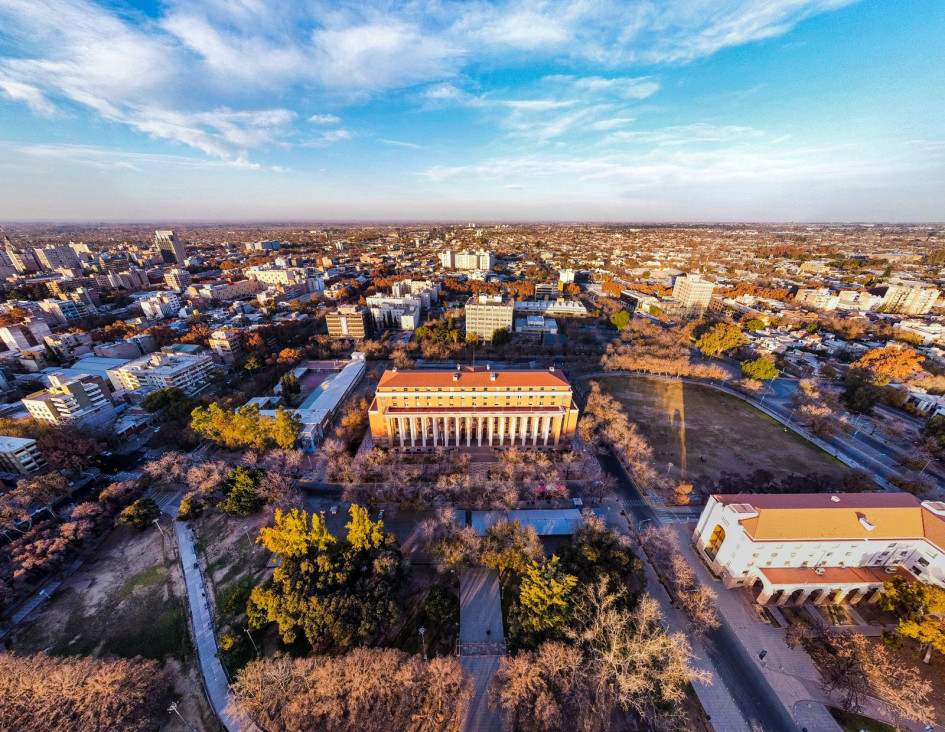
{"x": 821, "y": 547}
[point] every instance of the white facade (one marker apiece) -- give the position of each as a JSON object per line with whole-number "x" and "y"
{"x": 164, "y": 305}
{"x": 82, "y": 401}
{"x": 820, "y": 547}
{"x": 188, "y": 373}
{"x": 693, "y": 292}
{"x": 910, "y": 299}
{"x": 821, "y": 298}
{"x": 20, "y": 455}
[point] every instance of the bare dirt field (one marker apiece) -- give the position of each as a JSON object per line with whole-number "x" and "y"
{"x": 686, "y": 423}
{"x": 126, "y": 601}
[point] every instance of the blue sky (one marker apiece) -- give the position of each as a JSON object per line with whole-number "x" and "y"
{"x": 617, "y": 110}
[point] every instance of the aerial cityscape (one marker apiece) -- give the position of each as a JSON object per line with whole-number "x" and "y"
{"x": 459, "y": 367}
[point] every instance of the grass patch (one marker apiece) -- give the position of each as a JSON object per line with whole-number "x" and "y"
{"x": 851, "y": 722}
{"x": 688, "y": 422}
{"x": 149, "y": 577}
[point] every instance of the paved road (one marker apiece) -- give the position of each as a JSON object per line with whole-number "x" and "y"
{"x": 750, "y": 692}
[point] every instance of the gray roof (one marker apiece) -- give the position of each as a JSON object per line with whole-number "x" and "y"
{"x": 546, "y": 522}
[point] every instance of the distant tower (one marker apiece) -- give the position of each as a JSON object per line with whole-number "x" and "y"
{"x": 170, "y": 247}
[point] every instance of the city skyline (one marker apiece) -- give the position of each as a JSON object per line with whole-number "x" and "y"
{"x": 776, "y": 110}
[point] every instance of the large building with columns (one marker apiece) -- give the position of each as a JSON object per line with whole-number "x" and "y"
{"x": 473, "y": 406}
{"x": 821, "y": 547}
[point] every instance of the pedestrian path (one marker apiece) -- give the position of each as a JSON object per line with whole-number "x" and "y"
{"x": 481, "y": 643}
{"x": 205, "y": 641}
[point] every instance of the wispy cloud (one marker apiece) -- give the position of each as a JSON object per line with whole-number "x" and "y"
{"x": 400, "y": 143}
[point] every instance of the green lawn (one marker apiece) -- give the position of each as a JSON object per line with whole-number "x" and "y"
{"x": 685, "y": 423}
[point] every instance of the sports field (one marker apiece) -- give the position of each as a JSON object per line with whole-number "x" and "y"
{"x": 701, "y": 431}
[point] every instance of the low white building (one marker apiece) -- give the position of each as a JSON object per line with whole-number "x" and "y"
{"x": 189, "y": 373}
{"x": 820, "y": 547}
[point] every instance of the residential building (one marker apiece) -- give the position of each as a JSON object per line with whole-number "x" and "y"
{"x": 821, "y": 298}
{"x": 693, "y": 293}
{"x": 481, "y": 260}
{"x": 566, "y": 276}
{"x": 488, "y": 313}
{"x": 821, "y": 547}
{"x": 226, "y": 291}
{"x": 473, "y": 405}
{"x": 20, "y": 455}
{"x": 177, "y": 278}
{"x": 271, "y": 245}
{"x": 227, "y": 344}
{"x": 395, "y": 312}
{"x": 350, "y": 321}
{"x": 162, "y": 305}
{"x": 909, "y": 298}
{"x": 25, "y": 335}
{"x": 189, "y": 373}
{"x": 53, "y": 258}
{"x": 69, "y": 346}
{"x": 81, "y": 401}
{"x": 170, "y": 248}
{"x": 857, "y": 300}
{"x": 24, "y": 260}
{"x": 546, "y": 290}
{"x": 129, "y": 348}
{"x": 427, "y": 291}
{"x": 67, "y": 311}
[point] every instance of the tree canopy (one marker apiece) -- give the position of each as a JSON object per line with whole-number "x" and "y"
{"x": 720, "y": 338}
{"x": 762, "y": 369}
{"x": 892, "y": 363}
{"x": 246, "y": 427}
{"x": 333, "y": 592}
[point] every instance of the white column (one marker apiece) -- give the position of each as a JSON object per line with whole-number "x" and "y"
{"x": 547, "y": 421}
{"x": 501, "y": 428}
{"x": 423, "y": 426}
{"x": 513, "y": 423}
{"x": 456, "y": 425}
{"x": 436, "y": 431}
{"x": 479, "y": 429}
{"x": 413, "y": 431}
{"x": 401, "y": 428}
{"x": 534, "y": 431}
{"x": 523, "y": 430}
{"x": 491, "y": 428}
{"x": 469, "y": 431}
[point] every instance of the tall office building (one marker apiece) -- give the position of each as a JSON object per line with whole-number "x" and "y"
{"x": 473, "y": 406}
{"x": 51, "y": 258}
{"x": 488, "y": 313}
{"x": 170, "y": 247}
{"x": 909, "y": 299}
{"x": 20, "y": 455}
{"x": 693, "y": 293}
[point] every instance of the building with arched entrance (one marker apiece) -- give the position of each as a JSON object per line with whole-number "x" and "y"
{"x": 821, "y": 547}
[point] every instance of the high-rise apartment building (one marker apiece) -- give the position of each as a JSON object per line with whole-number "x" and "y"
{"x": 488, "y": 313}
{"x": 350, "y": 321}
{"x": 227, "y": 344}
{"x": 162, "y": 305}
{"x": 83, "y": 401}
{"x": 52, "y": 258}
{"x": 20, "y": 455}
{"x": 473, "y": 406}
{"x": 481, "y": 260}
{"x": 23, "y": 260}
{"x": 820, "y": 298}
{"x": 25, "y": 335}
{"x": 693, "y": 293}
{"x": 909, "y": 299}
{"x": 170, "y": 247}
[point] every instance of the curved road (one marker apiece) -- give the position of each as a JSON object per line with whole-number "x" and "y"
{"x": 751, "y": 692}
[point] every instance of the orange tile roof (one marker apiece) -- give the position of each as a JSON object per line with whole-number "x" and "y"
{"x": 831, "y": 575}
{"x": 472, "y": 377}
{"x": 817, "y": 516}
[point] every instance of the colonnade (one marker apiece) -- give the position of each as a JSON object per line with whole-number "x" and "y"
{"x": 525, "y": 430}
{"x": 820, "y": 595}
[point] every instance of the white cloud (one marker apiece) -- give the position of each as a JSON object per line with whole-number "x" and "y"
{"x": 400, "y": 143}
{"x": 324, "y": 119}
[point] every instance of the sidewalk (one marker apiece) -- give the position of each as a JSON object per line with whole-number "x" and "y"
{"x": 215, "y": 681}
{"x": 482, "y": 643}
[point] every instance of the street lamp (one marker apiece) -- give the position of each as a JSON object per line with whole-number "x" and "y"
{"x": 246, "y": 531}
{"x": 252, "y": 641}
{"x": 423, "y": 641}
{"x": 157, "y": 522}
{"x": 173, "y": 708}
